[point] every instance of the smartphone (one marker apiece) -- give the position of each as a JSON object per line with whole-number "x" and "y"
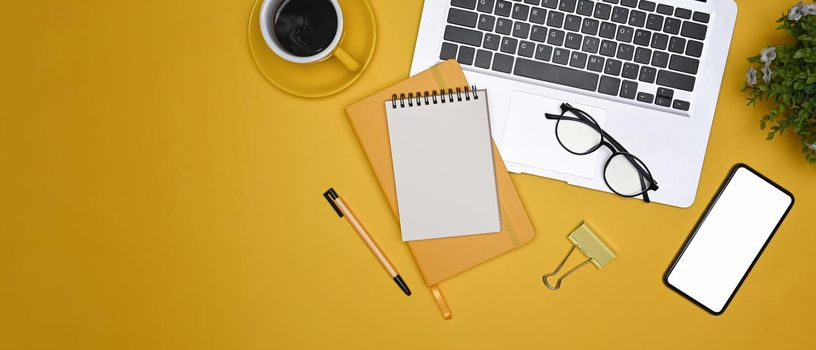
{"x": 728, "y": 239}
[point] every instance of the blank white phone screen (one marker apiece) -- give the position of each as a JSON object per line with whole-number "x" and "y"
{"x": 729, "y": 239}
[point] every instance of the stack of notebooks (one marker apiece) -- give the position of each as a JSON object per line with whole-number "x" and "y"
{"x": 440, "y": 172}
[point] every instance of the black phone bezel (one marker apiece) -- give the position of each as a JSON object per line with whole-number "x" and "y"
{"x": 702, "y": 219}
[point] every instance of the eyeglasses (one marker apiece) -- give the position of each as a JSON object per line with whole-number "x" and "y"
{"x": 580, "y": 134}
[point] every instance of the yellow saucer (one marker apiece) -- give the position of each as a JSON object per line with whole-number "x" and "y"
{"x": 321, "y": 78}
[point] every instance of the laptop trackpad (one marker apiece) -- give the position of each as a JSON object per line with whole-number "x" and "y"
{"x": 529, "y": 137}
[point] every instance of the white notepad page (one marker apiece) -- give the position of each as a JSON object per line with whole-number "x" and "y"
{"x": 443, "y": 167}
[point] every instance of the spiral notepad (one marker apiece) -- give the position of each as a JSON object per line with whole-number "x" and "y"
{"x": 443, "y": 163}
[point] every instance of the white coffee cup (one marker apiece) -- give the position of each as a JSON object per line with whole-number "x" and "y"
{"x": 268, "y": 9}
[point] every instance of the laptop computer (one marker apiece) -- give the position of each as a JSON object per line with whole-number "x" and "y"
{"x": 648, "y": 71}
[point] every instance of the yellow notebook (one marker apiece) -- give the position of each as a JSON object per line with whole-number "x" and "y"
{"x": 438, "y": 259}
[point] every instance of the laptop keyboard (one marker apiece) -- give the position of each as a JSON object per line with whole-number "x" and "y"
{"x": 635, "y": 50}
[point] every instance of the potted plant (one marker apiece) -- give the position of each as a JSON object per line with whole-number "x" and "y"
{"x": 788, "y": 83}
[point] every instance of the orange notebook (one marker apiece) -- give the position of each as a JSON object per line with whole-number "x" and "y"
{"x": 439, "y": 259}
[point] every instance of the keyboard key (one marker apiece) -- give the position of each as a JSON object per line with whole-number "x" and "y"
{"x": 675, "y": 80}
{"x": 543, "y": 52}
{"x": 567, "y": 5}
{"x": 608, "y": 30}
{"x": 602, "y": 11}
{"x": 538, "y": 16}
{"x": 556, "y": 74}
{"x": 521, "y": 12}
{"x": 643, "y": 55}
{"x": 637, "y": 18}
{"x": 555, "y": 19}
{"x": 612, "y": 1}
{"x": 591, "y": 44}
{"x": 613, "y": 67}
{"x": 609, "y": 86}
{"x": 463, "y": 36}
{"x": 503, "y": 8}
{"x": 572, "y": 23}
{"x": 448, "y": 51}
{"x": 504, "y": 26}
{"x": 647, "y": 5}
{"x": 672, "y": 26}
{"x": 625, "y": 34}
{"x": 578, "y": 59}
{"x": 466, "y": 54}
{"x": 532, "y": 2}
{"x": 647, "y": 74}
{"x": 628, "y": 89}
{"x": 521, "y": 30}
{"x": 620, "y": 15}
{"x": 626, "y": 52}
{"x": 629, "y": 3}
{"x": 508, "y": 45}
{"x": 483, "y": 58}
{"x": 595, "y": 63}
{"x": 486, "y": 22}
{"x": 585, "y": 7}
{"x": 682, "y": 13}
{"x": 694, "y": 30}
{"x": 645, "y": 97}
{"x": 665, "y": 92}
{"x": 468, "y": 4}
{"x": 660, "y": 59}
{"x": 665, "y": 9}
{"x": 560, "y": 56}
{"x": 556, "y": 37}
{"x": 573, "y": 41}
{"x": 590, "y": 26}
{"x": 684, "y": 64}
{"x": 526, "y": 49}
{"x": 660, "y": 41}
{"x": 654, "y": 22}
{"x": 491, "y": 41}
{"x": 681, "y": 105}
{"x": 630, "y": 71}
{"x": 701, "y": 17}
{"x": 694, "y": 48}
{"x": 549, "y": 3}
{"x": 485, "y": 6}
{"x": 663, "y": 101}
{"x": 539, "y": 34}
{"x": 642, "y": 37}
{"x": 677, "y": 45}
{"x": 462, "y": 17}
{"x": 502, "y": 63}
{"x": 609, "y": 48}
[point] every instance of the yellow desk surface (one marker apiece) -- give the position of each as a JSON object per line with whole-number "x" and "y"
{"x": 157, "y": 193}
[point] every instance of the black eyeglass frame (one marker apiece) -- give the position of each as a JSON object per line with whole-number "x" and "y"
{"x": 610, "y": 142}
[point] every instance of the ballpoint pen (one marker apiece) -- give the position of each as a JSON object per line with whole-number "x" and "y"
{"x": 344, "y": 211}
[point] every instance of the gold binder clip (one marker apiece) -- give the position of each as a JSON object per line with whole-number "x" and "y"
{"x": 588, "y": 243}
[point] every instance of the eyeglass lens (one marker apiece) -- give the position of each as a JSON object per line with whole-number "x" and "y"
{"x": 623, "y": 176}
{"x": 577, "y": 135}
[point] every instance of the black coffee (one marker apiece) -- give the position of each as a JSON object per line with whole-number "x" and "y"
{"x": 305, "y": 27}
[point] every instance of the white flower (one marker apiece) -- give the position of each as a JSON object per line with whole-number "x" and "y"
{"x": 812, "y": 146}
{"x": 795, "y": 13}
{"x": 751, "y": 76}
{"x": 767, "y": 55}
{"x": 809, "y": 10}
{"x": 767, "y": 74}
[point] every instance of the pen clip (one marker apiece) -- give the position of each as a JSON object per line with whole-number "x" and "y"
{"x": 330, "y": 196}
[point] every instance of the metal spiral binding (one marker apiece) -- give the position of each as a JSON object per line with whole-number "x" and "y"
{"x": 434, "y": 97}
